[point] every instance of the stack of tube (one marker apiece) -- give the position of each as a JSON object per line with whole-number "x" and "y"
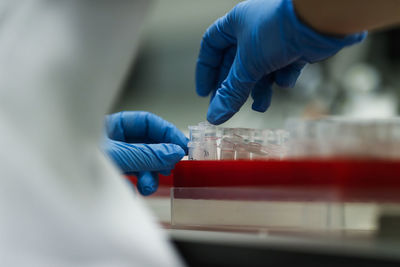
{"x": 321, "y": 138}
{"x": 345, "y": 137}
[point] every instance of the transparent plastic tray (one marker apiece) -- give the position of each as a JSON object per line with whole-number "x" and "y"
{"x": 284, "y": 209}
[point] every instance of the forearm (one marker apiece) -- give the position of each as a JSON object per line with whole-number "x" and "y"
{"x": 340, "y": 17}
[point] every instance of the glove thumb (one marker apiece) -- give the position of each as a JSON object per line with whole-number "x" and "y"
{"x": 144, "y": 157}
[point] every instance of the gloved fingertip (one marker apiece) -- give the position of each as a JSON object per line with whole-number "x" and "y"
{"x": 147, "y": 190}
{"x": 179, "y": 151}
{"x": 218, "y": 113}
{"x": 205, "y": 79}
{"x": 147, "y": 183}
{"x": 201, "y": 92}
{"x": 259, "y": 107}
{"x": 215, "y": 120}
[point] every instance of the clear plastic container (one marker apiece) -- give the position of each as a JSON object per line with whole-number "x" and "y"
{"x": 319, "y": 138}
{"x": 344, "y": 137}
{"x": 254, "y": 208}
{"x": 208, "y": 142}
{"x": 271, "y": 209}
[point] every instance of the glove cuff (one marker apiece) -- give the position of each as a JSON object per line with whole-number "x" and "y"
{"x": 316, "y": 46}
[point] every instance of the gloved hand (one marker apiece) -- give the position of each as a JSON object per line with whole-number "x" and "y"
{"x": 143, "y": 144}
{"x": 257, "y": 43}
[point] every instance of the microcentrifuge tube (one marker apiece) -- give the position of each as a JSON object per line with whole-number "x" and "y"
{"x": 208, "y": 142}
{"x": 242, "y": 152}
{"x": 256, "y": 151}
{"x": 195, "y": 151}
{"x": 196, "y": 133}
{"x": 227, "y": 149}
{"x": 258, "y": 136}
{"x": 210, "y": 131}
{"x": 245, "y": 134}
{"x": 210, "y": 149}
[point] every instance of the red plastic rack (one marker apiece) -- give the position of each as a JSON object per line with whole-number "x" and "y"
{"x": 352, "y": 179}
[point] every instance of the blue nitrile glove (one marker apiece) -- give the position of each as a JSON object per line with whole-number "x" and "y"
{"x": 143, "y": 144}
{"x": 257, "y": 43}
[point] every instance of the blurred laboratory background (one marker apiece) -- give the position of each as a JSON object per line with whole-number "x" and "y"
{"x": 362, "y": 81}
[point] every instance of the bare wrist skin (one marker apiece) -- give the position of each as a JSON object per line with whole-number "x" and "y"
{"x": 342, "y": 17}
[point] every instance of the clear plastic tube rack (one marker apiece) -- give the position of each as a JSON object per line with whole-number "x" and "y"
{"x": 208, "y": 142}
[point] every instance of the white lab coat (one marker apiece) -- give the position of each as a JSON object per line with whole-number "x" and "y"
{"x": 62, "y": 203}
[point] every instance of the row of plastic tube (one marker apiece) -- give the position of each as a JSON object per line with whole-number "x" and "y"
{"x": 208, "y": 142}
{"x": 326, "y": 137}
{"x": 344, "y": 137}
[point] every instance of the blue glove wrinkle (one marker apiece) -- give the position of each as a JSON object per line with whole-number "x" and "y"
{"x": 143, "y": 157}
{"x": 122, "y": 156}
{"x": 145, "y": 127}
{"x": 168, "y": 132}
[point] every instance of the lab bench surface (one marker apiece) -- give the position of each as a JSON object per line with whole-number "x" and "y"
{"x": 224, "y": 247}
{"x": 215, "y": 249}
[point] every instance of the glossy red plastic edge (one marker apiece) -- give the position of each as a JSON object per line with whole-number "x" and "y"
{"x": 339, "y": 173}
